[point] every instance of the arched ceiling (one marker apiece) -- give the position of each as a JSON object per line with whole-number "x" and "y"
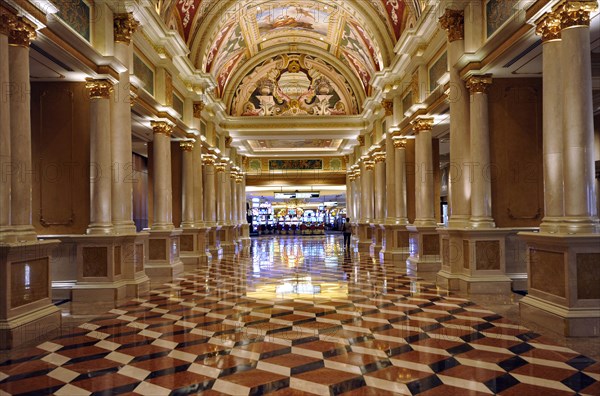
{"x": 353, "y": 38}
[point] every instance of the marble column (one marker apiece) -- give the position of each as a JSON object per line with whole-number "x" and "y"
{"x": 163, "y": 193}
{"x": 234, "y": 197}
{"x": 358, "y": 211}
{"x": 122, "y": 189}
{"x": 425, "y": 210}
{"x": 349, "y": 194}
{"x": 221, "y": 196}
{"x": 549, "y": 29}
{"x": 390, "y": 180}
{"x": 367, "y": 189}
{"x": 188, "y": 218}
{"x": 578, "y": 118}
{"x": 460, "y": 206}
{"x": 379, "y": 195}
{"x": 210, "y": 197}
{"x": 479, "y": 172}
{"x": 198, "y": 194}
{"x": 400, "y": 175}
{"x": 20, "y": 37}
{"x": 100, "y": 158}
{"x": 5, "y": 159}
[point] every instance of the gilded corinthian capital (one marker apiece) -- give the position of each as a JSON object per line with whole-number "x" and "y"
{"x": 21, "y": 32}
{"x": 99, "y": 89}
{"x": 422, "y": 124}
{"x": 453, "y": 22}
{"x": 549, "y": 26}
{"x": 162, "y": 127}
{"x": 576, "y": 13}
{"x": 479, "y": 84}
{"x": 124, "y": 27}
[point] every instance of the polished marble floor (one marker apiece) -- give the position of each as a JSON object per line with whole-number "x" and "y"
{"x": 295, "y": 316}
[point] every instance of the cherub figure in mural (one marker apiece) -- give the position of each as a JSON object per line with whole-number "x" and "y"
{"x": 306, "y": 13}
{"x": 250, "y": 110}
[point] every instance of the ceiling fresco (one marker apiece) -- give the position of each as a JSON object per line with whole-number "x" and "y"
{"x": 292, "y": 85}
{"x": 225, "y": 35}
{"x": 275, "y": 145}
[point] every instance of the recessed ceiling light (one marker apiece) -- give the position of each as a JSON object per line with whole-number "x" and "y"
{"x": 257, "y": 8}
{"x": 264, "y": 39}
{"x": 321, "y": 38}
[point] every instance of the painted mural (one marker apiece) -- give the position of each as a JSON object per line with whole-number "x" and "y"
{"x": 361, "y": 71}
{"x": 292, "y": 85}
{"x": 144, "y": 73}
{"x": 290, "y": 144}
{"x": 437, "y": 70}
{"x": 302, "y": 164}
{"x": 497, "y": 12}
{"x": 76, "y": 14}
{"x": 293, "y": 17}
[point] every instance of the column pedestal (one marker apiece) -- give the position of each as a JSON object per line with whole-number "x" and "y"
{"x": 98, "y": 272}
{"x": 424, "y": 247}
{"x": 226, "y": 238}
{"x": 245, "y": 235}
{"x": 365, "y": 238}
{"x": 213, "y": 241}
{"x": 26, "y": 309}
{"x": 193, "y": 248}
{"x": 563, "y": 283}
{"x": 396, "y": 247}
{"x": 378, "y": 233}
{"x": 163, "y": 264}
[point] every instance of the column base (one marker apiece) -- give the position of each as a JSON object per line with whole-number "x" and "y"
{"x": 99, "y": 229}
{"x": 97, "y": 297}
{"x": 163, "y": 263}
{"x": 424, "y": 244}
{"x": 245, "y": 235}
{"x": 563, "y": 283}
{"x": 26, "y": 309}
{"x": 125, "y": 227}
{"x": 193, "y": 252}
{"x": 24, "y": 233}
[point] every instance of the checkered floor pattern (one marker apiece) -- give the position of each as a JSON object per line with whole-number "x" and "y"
{"x": 300, "y": 316}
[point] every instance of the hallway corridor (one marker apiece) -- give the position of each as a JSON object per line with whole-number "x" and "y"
{"x": 295, "y": 316}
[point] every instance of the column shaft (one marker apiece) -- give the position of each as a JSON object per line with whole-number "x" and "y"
{"x": 5, "y": 156}
{"x": 20, "y": 131}
{"x": 100, "y": 158}
{"x": 210, "y": 197}
{"x": 481, "y": 187}
{"x": 400, "y": 175}
{"x": 122, "y": 189}
{"x": 578, "y": 130}
{"x": 198, "y": 194}
{"x": 390, "y": 179}
{"x": 379, "y": 195}
{"x": 220, "y": 191}
{"x": 234, "y": 199}
{"x": 188, "y": 218}
{"x": 552, "y": 139}
{"x": 163, "y": 194}
{"x": 425, "y": 211}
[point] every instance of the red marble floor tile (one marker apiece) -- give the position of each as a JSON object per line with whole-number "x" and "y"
{"x": 105, "y": 382}
{"x": 398, "y": 374}
{"x": 446, "y": 390}
{"x": 368, "y": 391}
{"x": 546, "y": 372}
{"x": 471, "y": 373}
{"x": 182, "y": 379}
{"x": 532, "y": 390}
{"x": 157, "y": 364}
{"x": 420, "y": 357}
{"x": 84, "y": 351}
{"x": 485, "y": 356}
{"x": 35, "y": 384}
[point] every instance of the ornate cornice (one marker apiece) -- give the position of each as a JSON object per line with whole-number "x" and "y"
{"x": 388, "y": 106}
{"x": 399, "y": 142}
{"x": 479, "y": 84}
{"x": 162, "y": 127}
{"x": 422, "y": 124}
{"x": 361, "y": 140}
{"x": 21, "y": 32}
{"x": 99, "y": 89}
{"x": 549, "y": 27}
{"x": 453, "y": 22}
{"x": 124, "y": 27}
{"x": 576, "y": 13}
{"x": 198, "y": 107}
{"x": 187, "y": 145}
